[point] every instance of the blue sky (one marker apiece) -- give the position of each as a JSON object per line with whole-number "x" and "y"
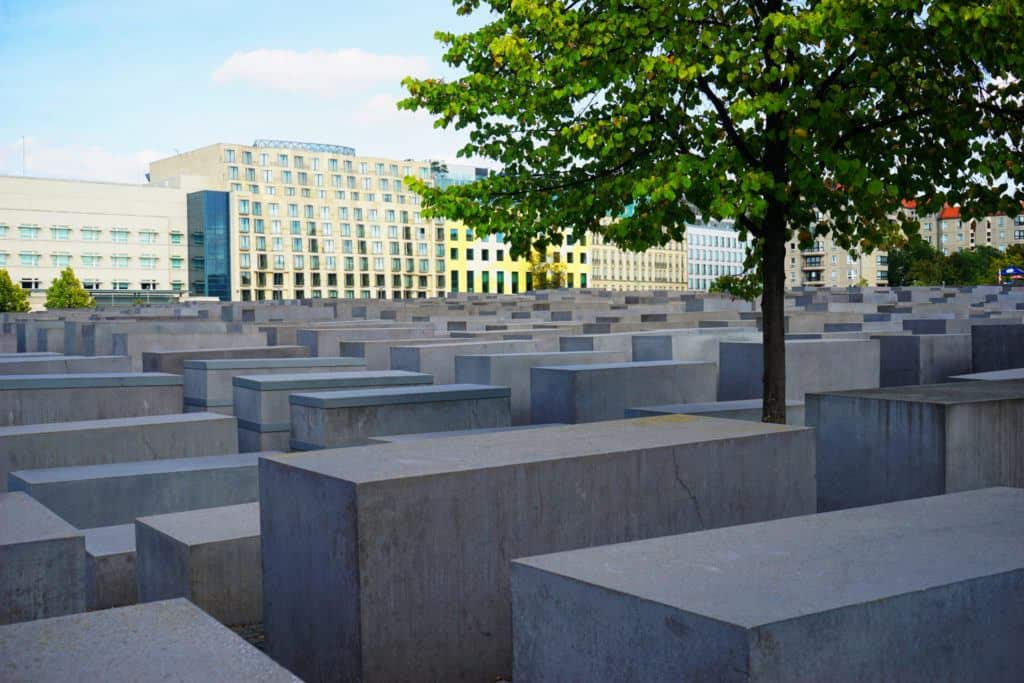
{"x": 100, "y": 88}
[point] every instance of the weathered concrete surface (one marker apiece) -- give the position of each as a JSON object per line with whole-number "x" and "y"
{"x": 351, "y": 417}
{"x": 391, "y": 562}
{"x": 174, "y": 361}
{"x": 815, "y": 365}
{"x": 572, "y": 394}
{"x": 210, "y": 556}
{"x": 731, "y": 410}
{"x": 96, "y": 442}
{"x": 924, "y": 590}
{"x": 35, "y": 399}
{"x": 512, "y": 370}
{"x": 36, "y": 365}
{"x": 170, "y": 641}
{"x": 997, "y": 347}
{"x": 261, "y": 401}
{"x": 208, "y": 383}
{"x": 110, "y": 567}
{"x": 42, "y": 562}
{"x": 439, "y": 359}
{"x": 883, "y": 445}
{"x": 1014, "y": 375}
{"x": 922, "y": 359}
{"x": 105, "y": 495}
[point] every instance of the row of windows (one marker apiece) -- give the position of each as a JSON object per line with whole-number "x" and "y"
{"x": 319, "y": 180}
{"x": 329, "y": 245}
{"x": 299, "y": 162}
{"x": 716, "y": 255}
{"x": 247, "y": 207}
{"x": 299, "y": 261}
{"x": 93, "y": 284}
{"x": 62, "y": 233}
{"x": 62, "y": 260}
{"x": 703, "y": 240}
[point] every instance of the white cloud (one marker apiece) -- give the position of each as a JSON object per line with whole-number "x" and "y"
{"x": 79, "y": 162}
{"x": 318, "y": 71}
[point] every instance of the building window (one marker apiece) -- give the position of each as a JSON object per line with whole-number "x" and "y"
{"x": 28, "y": 232}
{"x": 147, "y": 262}
{"x": 29, "y": 258}
{"x": 120, "y": 236}
{"x": 61, "y": 234}
{"x": 61, "y": 260}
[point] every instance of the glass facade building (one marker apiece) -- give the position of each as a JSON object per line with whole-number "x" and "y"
{"x": 209, "y": 244}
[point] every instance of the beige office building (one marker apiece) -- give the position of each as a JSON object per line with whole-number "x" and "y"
{"x": 291, "y": 220}
{"x": 617, "y": 269}
{"x": 123, "y": 241}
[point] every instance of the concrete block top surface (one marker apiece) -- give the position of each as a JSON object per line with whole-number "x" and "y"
{"x": 208, "y": 525}
{"x": 110, "y": 540}
{"x": 595, "y": 367}
{"x": 90, "y": 380}
{"x": 23, "y": 519}
{"x": 170, "y": 641}
{"x": 569, "y": 355}
{"x": 330, "y": 380}
{"x": 183, "y": 419}
{"x": 139, "y": 467}
{"x": 508, "y": 448}
{"x": 941, "y": 394}
{"x": 757, "y": 574}
{"x": 717, "y": 406}
{"x": 395, "y": 395}
{"x": 993, "y": 375}
{"x": 262, "y": 363}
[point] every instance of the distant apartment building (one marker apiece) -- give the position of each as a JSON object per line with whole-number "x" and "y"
{"x": 618, "y": 269}
{"x": 713, "y": 249}
{"x": 826, "y": 264}
{"x": 293, "y": 220}
{"x": 124, "y": 242}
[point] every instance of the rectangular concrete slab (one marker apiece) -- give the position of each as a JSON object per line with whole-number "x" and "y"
{"x": 172, "y": 641}
{"x": 35, "y": 399}
{"x": 210, "y": 556}
{"x": 35, "y": 365}
{"x": 882, "y": 445}
{"x": 105, "y": 495}
{"x": 333, "y": 419}
{"x": 110, "y": 567}
{"x": 390, "y": 562}
{"x": 261, "y": 401}
{"x": 98, "y": 442}
{"x": 923, "y": 590}
{"x": 572, "y": 394}
{"x": 42, "y": 562}
{"x": 732, "y": 410}
{"x": 174, "y": 361}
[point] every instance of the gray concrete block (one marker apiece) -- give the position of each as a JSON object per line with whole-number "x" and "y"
{"x": 34, "y": 399}
{"x": 42, "y": 562}
{"x": 883, "y": 445}
{"x": 35, "y": 365}
{"x": 439, "y": 359}
{"x": 208, "y": 383}
{"x": 210, "y": 556}
{"x": 391, "y": 562}
{"x": 512, "y": 370}
{"x": 1011, "y": 375}
{"x": 924, "y": 590}
{"x": 105, "y": 495}
{"x": 261, "y": 401}
{"x": 730, "y": 410}
{"x": 97, "y": 442}
{"x": 110, "y": 567}
{"x": 812, "y": 365}
{"x": 170, "y": 641}
{"x": 173, "y": 361}
{"x": 347, "y": 418}
{"x": 997, "y": 347}
{"x": 922, "y": 359}
{"x": 572, "y": 394}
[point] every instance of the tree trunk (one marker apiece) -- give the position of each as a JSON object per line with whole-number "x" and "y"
{"x": 773, "y": 264}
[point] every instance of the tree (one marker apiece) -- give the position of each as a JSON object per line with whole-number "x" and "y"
{"x": 545, "y": 274}
{"x": 793, "y": 117}
{"x": 746, "y": 287}
{"x": 67, "y": 292}
{"x": 13, "y": 299}
{"x": 903, "y": 255}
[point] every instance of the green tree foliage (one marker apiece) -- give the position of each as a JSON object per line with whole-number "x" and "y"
{"x": 815, "y": 115}
{"x": 917, "y": 263}
{"x": 13, "y": 299}
{"x": 67, "y": 292}
{"x": 544, "y": 273}
{"x": 903, "y": 256}
{"x": 747, "y": 286}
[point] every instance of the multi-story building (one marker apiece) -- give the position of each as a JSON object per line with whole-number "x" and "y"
{"x": 713, "y": 249}
{"x": 123, "y": 241}
{"x": 283, "y": 220}
{"x": 617, "y": 269}
{"x": 948, "y": 232}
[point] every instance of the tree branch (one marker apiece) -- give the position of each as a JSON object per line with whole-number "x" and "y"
{"x": 727, "y": 123}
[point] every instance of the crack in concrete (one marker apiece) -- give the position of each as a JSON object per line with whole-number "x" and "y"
{"x": 689, "y": 492}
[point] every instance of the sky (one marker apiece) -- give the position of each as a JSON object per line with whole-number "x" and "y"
{"x": 98, "y": 89}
